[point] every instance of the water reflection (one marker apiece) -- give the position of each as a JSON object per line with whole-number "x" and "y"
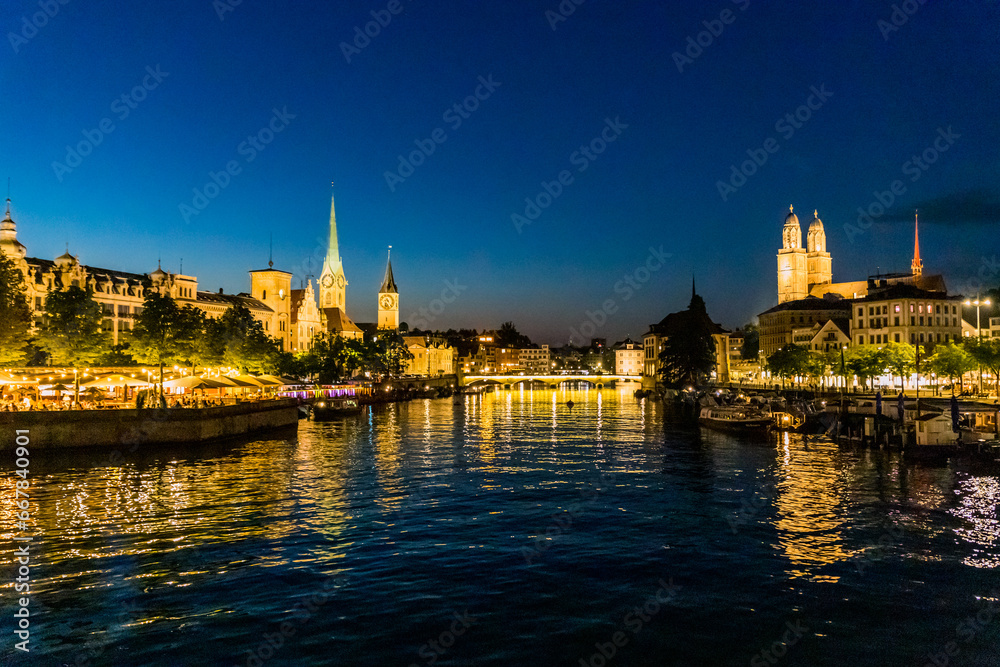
{"x": 979, "y": 498}
{"x": 420, "y": 502}
{"x": 809, "y": 496}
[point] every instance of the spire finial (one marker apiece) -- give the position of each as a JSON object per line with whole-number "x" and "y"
{"x": 815, "y": 212}
{"x": 791, "y": 209}
{"x": 270, "y": 253}
{"x": 917, "y": 265}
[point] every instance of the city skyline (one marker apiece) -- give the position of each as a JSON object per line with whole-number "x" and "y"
{"x": 670, "y": 129}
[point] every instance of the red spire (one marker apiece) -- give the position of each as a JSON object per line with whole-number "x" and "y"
{"x": 917, "y": 266}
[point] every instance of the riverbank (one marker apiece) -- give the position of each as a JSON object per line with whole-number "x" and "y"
{"x": 113, "y": 428}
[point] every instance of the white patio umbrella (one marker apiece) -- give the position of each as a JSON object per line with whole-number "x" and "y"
{"x": 116, "y": 380}
{"x": 194, "y": 382}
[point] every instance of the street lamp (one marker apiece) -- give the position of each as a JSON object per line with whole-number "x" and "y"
{"x": 979, "y": 332}
{"x": 427, "y": 340}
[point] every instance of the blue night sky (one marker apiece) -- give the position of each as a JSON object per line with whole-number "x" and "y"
{"x": 655, "y": 185}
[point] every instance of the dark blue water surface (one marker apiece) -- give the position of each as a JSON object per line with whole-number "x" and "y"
{"x": 508, "y": 529}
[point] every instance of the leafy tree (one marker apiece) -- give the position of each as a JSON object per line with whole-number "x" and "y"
{"x": 951, "y": 361}
{"x": 117, "y": 355}
{"x": 866, "y": 362}
{"x": 335, "y": 358}
{"x": 71, "y": 333}
{"x": 751, "y": 342}
{"x": 792, "y": 361}
{"x": 247, "y": 346}
{"x": 15, "y": 314}
{"x": 688, "y": 353}
{"x": 986, "y": 353}
{"x": 164, "y": 333}
{"x": 509, "y": 336}
{"x": 900, "y": 359}
{"x": 391, "y": 354}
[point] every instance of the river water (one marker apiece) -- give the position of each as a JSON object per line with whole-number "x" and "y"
{"x": 507, "y": 529}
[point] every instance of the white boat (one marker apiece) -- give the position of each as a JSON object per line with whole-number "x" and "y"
{"x": 737, "y": 418}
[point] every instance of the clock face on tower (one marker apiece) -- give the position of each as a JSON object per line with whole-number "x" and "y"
{"x": 328, "y": 280}
{"x": 387, "y": 302}
{"x": 340, "y": 281}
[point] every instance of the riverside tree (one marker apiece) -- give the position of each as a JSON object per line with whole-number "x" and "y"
{"x": 866, "y": 362}
{"x": 791, "y": 361}
{"x": 900, "y": 360}
{"x": 951, "y": 361}
{"x": 244, "y": 343}
{"x": 986, "y": 353}
{"x": 71, "y": 333}
{"x": 165, "y": 333}
{"x": 15, "y": 315}
{"x": 688, "y": 353}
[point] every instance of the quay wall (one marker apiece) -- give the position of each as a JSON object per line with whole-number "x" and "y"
{"x": 113, "y": 428}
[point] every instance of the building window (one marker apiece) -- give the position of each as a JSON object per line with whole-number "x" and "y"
{"x": 861, "y": 340}
{"x": 895, "y": 320}
{"x": 861, "y": 311}
{"x": 895, "y": 308}
{"x": 921, "y": 337}
{"x": 913, "y": 338}
{"x": 921, "y": 320}
{"x": 897, "y": 338}
{"x": 911, "y": 307}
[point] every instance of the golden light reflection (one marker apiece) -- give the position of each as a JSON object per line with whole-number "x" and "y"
{"x": 808, "y": 497}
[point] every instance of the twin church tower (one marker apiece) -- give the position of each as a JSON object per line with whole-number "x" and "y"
{"x": 802, "y": 268}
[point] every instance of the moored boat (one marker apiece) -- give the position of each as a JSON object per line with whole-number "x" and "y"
{"x": 331, "y": 408}
{"x": 736, "y": 418}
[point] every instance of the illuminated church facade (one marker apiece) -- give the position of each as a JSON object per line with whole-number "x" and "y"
{"x": 291, "y": 316}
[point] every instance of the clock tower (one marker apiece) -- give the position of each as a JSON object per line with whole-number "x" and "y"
{"x": 388, "y": 299}
{"x": 332, "y": 282}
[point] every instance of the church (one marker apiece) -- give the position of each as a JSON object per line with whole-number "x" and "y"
{"x": 290, "y": 316}
{"x": 817, "y": 313}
